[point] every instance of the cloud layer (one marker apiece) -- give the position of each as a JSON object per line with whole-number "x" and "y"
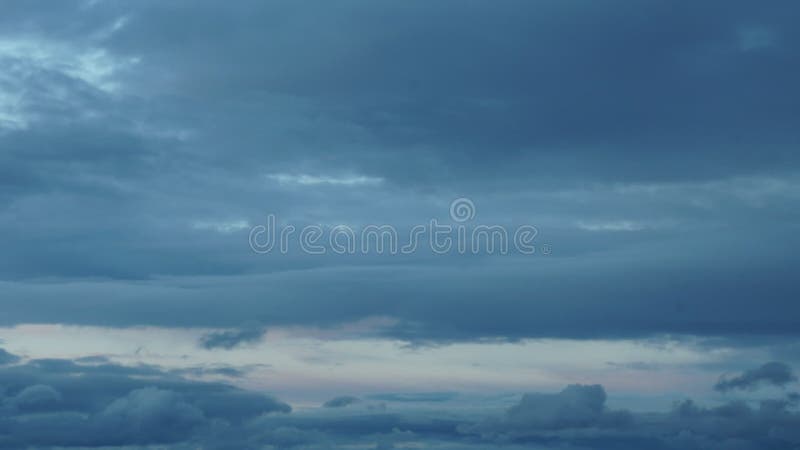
{"x": 64, "y": 403}
{"x": 88, "y": 403}
{"x": 134, "y": 161}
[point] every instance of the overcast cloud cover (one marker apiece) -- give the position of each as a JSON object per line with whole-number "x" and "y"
{"x": 653, "y": 145}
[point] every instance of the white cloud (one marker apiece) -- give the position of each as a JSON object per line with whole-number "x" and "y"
{"x": 22, "y": 58}
{"x": 754, "y": 191}
{"x": 222, "y": 227}
{"x": 94, "y": 66}
{"x": 619, "y": 225}
{"x": 314, "y": 180}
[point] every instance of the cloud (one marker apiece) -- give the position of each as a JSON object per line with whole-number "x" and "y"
{"x": 575, "y": 407}
{"x": 313, "y": 180}
{"x": 38, "y": 396}
{"x": 222, "y": 227}
{"x": 60, "y": 403}
{"x": 658, "y": 165}
{"x": 124, "y": 144}
{"x": 576, "y": 418}
{"x": 150, "y": 415}
{"x": 340, "y": 402}
{"x": 623, "y": 225}
{"x": 7, "y": 358}
{"x": 64, "y": 403}
{"x": 772, "y": 373}
{"x": 232, "y": 338}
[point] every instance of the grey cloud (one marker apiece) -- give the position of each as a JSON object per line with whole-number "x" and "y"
{"x": 652, "y": 144}
{"x": 7, "y": 358}
{"x": 588, "y": 91}
{"x": 340, "y": 402}
{"x": 572, "y": 117}
{"x": 575, "y": 418}
{"x": 537, "y": 298}
{"x": 62, "y": 403}
{"x": 65, "y": 404}
{"x": 232, "y": 338}
{"x": 38, "y": 396}
{"x": 576, "y": 406}
{"x": 772, "y": 373}
{"x": 149, "y": 412}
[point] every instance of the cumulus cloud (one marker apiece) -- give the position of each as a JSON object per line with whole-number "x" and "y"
{"x": 576, "y": 418}
{"x": 577, "y": 406}
{"x": 59, "y": 403}
{"x": 772, "y": 373}
{"x": 149, "y": 415}
{"x": 38, "y": 396}
{"x": 65, "y": 403}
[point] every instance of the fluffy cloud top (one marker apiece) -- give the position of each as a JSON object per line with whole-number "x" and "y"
{"x": 60, "y": 403}
{"x": 772, "y": 373}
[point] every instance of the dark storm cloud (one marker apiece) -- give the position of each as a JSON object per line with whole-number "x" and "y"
{"x": 652, "y": 144}
{"x": 538, "y": 298}
{"x": 772, "y": 373}
{"x": 618, "y": 90}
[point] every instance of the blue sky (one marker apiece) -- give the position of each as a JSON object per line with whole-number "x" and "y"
{"x": 651, "y": 146}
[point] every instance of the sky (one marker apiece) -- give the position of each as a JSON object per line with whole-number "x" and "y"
{"x": 448, "y": 225}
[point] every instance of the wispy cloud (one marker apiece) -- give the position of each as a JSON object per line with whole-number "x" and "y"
{"x": 222, "y": 226}
{"x": 314, "y": 180}
{"x": 619, "y": 225}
